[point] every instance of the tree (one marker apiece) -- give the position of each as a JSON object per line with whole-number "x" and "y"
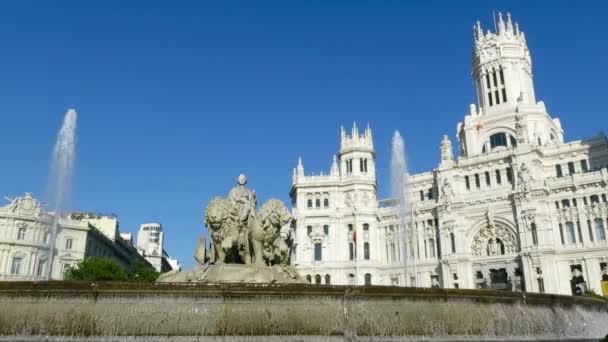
{"x": 143, "y": 272}
{"x": 96, "y": 269}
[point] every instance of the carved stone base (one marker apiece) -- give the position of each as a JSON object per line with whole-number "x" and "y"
{"x": 235, "y": 273}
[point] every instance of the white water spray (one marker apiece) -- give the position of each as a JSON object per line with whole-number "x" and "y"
{"x": 400, "y": 192}
{"x": 62, "y": 170}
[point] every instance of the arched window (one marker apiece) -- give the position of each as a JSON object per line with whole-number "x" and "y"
{"x": 318, "y": 203}
{"x": 351, "y": 251}
{"x": 309, "y": 278}
{"x": 368, "y": 279}
{"x": 366, "y": 250}
{"x": 326, "y": 229}
{"x": 309, "y": 203}
{"x": 326, "y": 203}
{"x": 327, "y": 279}
{"x": 317, "y": 279}
{"x": 309, "y": 230}
{"x": 365, "y": 227}
{"x": 502, "y": 139}
{"x": 351, "y": 279}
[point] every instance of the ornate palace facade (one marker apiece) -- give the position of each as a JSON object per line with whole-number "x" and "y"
{"x": 518, "y": 209}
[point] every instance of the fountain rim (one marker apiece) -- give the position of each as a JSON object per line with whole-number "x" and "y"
{"x": 103, "y": 288}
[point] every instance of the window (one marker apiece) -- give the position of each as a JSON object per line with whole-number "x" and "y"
{"x": 393, "y": 254}
{"x": 40, "y": 269}
{"x": 599, "y": 229}
{"x": 558, "y": 171}
{"x": 350, "y": 227}
{"x": 488, "y": 179}
{"x": 366, "y": 227}
{"x": 585, "y": 200}
{"x": 534, "y": 234}
{"x": 309, "y": 278}
{"x": 584, "y": 166}
{"x": 327, "y": 279}
{"x": 318, "y": 203}
{"x": 46, "y": 237}
{"x": 604, "y": 198}
{"x": 366, "y": 250}
{"x": 498, "y": 180}
{"x": 571, "y": 168}
{"x": 498, "y": 139}
{"x": 351, "y": 279}
{"x": 21, "y": 234}
{"x": 509, "y": 175}
{"x": 488, "y": 85}
{"x": 467, "y": 182}
{"x": 494, "y": 77}
{"x": 309, "y": 203}
{"x": 351, "y": 251}
{"x": 318, "y": 251}
{"x": 432, "y": 247}
{"x": 477, "y": 184}
{"x": 590, "y": 230}
{"x": 594, "y": 199}
{"x": 326, "y": 203}
{"x": 318, "y": 279}
{"x": 571, "y": 234}
{"x": 326, "y": 229}
{"x": 504, "y": 95}
{"x": 453, "y": 241}
{"x": 561, "y": 233}
{"x": 490, "y": 98}
{"x": 421, "y": 195}
{"x": 68, "y": 243}
{"x": 309, "y": 230}
{"x": 368, "y": 279}
{"x": 565, "y": 203}
{"x": 16, "y": 265}
{"x": 496, "y": 97}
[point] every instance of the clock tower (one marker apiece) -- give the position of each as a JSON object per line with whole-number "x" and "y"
{"x": 502, "y": 68}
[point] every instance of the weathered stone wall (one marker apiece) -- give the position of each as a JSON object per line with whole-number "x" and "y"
{"x": 127, "y": 309}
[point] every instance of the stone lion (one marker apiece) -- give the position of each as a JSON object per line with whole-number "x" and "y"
{"x": 223, "y": 233}
{"x": 265, "y": 235}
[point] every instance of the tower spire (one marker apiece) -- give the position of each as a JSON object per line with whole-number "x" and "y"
{"x": 477, "y": 31}
{"x": 509, "y": 23}
{"x": 501, "y": 24}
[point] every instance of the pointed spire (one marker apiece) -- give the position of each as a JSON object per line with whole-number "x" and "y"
{"x": 501, "y": 24}
{"x": 299, "y": 161}
{"x": 517, "y": 29}
{"x": 478, "y": 31}
{"x": 509, "y": 24}
{"x": 334, "y": 167}
{"x": 300, "y": 169}
{"x": 355, "y": 134}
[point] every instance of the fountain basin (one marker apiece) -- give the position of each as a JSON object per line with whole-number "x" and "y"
{"x": 104, "y": 311}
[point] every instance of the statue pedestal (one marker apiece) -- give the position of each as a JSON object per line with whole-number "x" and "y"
{"x": 236, "y": 273}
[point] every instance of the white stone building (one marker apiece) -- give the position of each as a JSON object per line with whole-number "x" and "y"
{"x": 25, "y": 241}
{"x": 150, "y": 244}
{"x": 519, "y": 208}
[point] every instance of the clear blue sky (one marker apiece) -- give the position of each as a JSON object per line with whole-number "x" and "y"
{"x": 175, "y": 101}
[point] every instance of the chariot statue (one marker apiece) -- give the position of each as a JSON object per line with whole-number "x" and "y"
{"x": 246, "y": 246}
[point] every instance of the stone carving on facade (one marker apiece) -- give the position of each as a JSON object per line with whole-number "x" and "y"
{"x": 493, "y": 239}
{"x": 25, "y": 206}
{"x": 349, "y": 199}
{"x": 567, "y": 214}
{"x": 250, "y": 241}
{"x": 596, "y": 210}
{"x": 447, "y": 192}
{"x": 447, "y": 153}
{"x": 521, "y": 130}
{"x": 524, "y": 178}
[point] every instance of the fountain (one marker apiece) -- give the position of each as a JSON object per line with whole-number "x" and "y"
{"x": 244, "y": 288}
{"x": 400, "y": 192}
{"x": 62, "y": 169}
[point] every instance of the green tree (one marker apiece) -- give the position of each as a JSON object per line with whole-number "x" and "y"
{"x": 142, "y": 271}
{"x": 96, "y": 269}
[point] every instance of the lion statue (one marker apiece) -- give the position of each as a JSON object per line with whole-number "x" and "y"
{"x": 222, "y": 230}
{"x": 265, "y": 235}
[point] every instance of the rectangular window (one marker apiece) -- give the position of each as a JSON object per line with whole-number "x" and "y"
{"x": 477, "y": 184}
{"x": 580, "y": 232}
{"x": 565, "y": 203}
{"x": 21, "y": 234}
{"x": 16, "y": 265}
{"x": 571, "y": 234}
{"x": 558, "y": 171}
{"x": 488, "y": 179}
{"x": 488, "y": 81}
{"x": 430, "y": 194}
{"x": 604, "y": 198}
{"x": 366, "y": 251}
{"x": 393, "y": 255}
{"x": 509, "y": 175}
{"x": 571, "y": 168}
{"x": 318, "y": 251}
{"x": 541, "y": 285}
{"x": 584, "y": 166}
{"x": 502, "y": 77}
{"x": 590, "y": 230}
{"x": 504, "y": 95}
{"x": 534, "y": 234}
{"x": 66, "y": 267}
{"x": 574, "y": 202}
{"x": 599, "y": 229}
{"x": 561, "y": 233}
{"x": 496, "y": 97}
{"x": 432, "y": 247}
{"x": 494, "y": 77}
{"x": 351, "y": 251}
{"x": 467, "y": 182}
{"x": 421, "y": 195}
{"x": 585, "y": 200}
{"x": 40, "y": 269}
{"x": 326, "y": 229}
{"x": 594, "y": 199}
{"x": 68, "y": 243}
{"x": 498, "y": 180}
{"x": 490, "y": 98}
{"x": 453, "y": 241}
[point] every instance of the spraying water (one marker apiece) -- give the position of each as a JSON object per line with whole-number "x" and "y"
{"x": 62, "y": 170}
{"x": 400, "y": 192}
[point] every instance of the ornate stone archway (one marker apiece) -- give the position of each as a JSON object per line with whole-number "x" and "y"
{"x": 493, "y": 239}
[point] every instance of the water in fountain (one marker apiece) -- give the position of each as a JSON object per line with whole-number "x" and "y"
{"x": 62, "y": 169}
{"x": 400, "y": 192}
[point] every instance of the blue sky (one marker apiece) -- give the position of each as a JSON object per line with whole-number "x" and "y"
{"x": 175, "y": 99}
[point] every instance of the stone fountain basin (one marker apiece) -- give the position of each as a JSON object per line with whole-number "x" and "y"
{"x": 204, "y": 311}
